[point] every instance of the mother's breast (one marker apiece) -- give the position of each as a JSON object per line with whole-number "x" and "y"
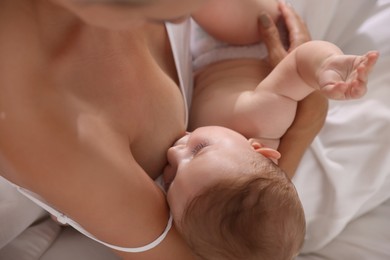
{"x": 120, "y": 81}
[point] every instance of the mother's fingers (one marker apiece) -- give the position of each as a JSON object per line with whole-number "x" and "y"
{"x": 271, "y": 38}
{"x": 298, "y": 31}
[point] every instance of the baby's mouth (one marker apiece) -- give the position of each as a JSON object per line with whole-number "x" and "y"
{"x": 169, "y": 175}
{"x": 169, "y": 172}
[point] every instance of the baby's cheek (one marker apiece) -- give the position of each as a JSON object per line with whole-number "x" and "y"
{"x": 176, "y": 204}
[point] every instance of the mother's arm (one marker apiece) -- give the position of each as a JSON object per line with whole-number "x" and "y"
{"x": 310, "y": 117}
{"x": 311, "y": 111}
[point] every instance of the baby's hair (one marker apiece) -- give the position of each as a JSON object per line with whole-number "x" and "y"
{"x": 258, "y": 216}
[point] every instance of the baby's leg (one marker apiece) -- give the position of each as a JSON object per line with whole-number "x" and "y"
{"x": 345, "y": 76}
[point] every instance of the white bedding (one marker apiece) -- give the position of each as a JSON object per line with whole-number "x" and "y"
{"x": 346, "y": 172}
{"x": 344, "y": 178}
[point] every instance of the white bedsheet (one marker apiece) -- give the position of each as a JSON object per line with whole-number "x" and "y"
{"x": 346, "y": 172}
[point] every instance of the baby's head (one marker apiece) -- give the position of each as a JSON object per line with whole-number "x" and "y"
{"x": 229, "y": 201}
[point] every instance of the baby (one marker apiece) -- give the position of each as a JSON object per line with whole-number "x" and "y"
{"x": 228, "y": 197}
{"x": 229, "y": 201}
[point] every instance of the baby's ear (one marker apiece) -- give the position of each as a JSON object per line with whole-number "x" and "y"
{"x": 265, "y": 151}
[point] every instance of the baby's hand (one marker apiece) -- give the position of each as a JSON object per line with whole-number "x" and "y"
{"x": 345, "y": 76}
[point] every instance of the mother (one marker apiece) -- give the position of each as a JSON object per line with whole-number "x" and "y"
{"x": 90, "y": 102}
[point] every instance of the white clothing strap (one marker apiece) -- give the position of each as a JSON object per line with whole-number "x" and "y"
{"x": 63, "y": 219}
{"x": 179, "y": 38}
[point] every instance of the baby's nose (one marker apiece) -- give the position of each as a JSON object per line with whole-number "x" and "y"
{"x": 175, "y": 154}
{"x": 182, "y": 140}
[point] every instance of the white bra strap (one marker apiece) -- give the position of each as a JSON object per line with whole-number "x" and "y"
{"x": 63, "y": 219}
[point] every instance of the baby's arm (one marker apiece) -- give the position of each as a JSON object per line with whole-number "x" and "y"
{"x": 319, "y": 65}
{"x": 236, "y": 22}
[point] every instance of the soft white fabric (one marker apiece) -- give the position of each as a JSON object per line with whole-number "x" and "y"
{"x": 16, "y": 212}
{"x": 33, "y": 242}
{"x": 363, "y": 238}
{"x": 346, "y": 172}
{"x": 179, "y": 36}
{"x": 206, "y": 50}
{"x": 73, "y": 245}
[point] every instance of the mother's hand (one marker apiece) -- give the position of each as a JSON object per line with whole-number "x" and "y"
{"x": 297, "y": 30}
{"x": 312, "y": 110}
